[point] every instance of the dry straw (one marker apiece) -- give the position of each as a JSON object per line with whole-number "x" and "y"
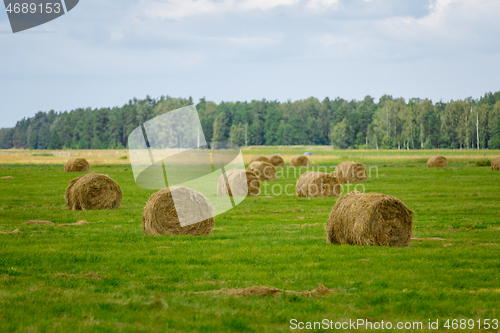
{"x": 318, "y": 184}
{"x": 270, "y": 291}
{"x": 36, "y": 222}
{"x": 495, "y": 164}
{"x": 437, "y": 162}
{"x": 369, "y": 219}
{"x": 77, "y": 223}
{"x": 299, "y": 160}
{"x": 239, "y": 182}
{"x": 277, "y": 161}
{"x": 350, "y": 172}
{"x": 93, "y": 191}
{"x": 77, "y": 165}
{"x": 263, "y": 170}
{"x": 160, "y": 214}
{"x": 260, "y": 158}
{"x": 17, "y": 231}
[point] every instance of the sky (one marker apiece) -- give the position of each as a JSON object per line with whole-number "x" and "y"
{"x": 103, "y": 52}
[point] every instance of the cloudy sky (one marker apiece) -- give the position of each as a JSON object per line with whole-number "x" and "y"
{"x": 105, "y": 52}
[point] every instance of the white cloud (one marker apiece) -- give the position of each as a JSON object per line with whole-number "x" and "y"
{"x": 318, "y": 5}
{"x": 251, "y": 42}
{"x": 177, "y": 9}
{"x": 452, "y": 28}
{"x": 264, "y": 4}
{"x": 455, "y": 24}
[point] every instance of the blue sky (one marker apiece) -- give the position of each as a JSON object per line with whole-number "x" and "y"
{"x": 104, "y": 52}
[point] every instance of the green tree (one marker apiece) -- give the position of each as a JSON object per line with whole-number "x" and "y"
{"x": 6, "y": 138}
{"x": 271, "y": 125}
{"x": 494, "y": 127}
{"x": 340, "y": 135}
{"x": 55, "y": 141}
{"x": 237, "y": 134}
{"x": 298, "y": 131}
{"x": 255, "y": 131}
{"x": 221, "y": 128}
{"x": 32, "y": 138}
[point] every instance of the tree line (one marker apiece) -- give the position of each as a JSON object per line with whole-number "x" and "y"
{"x": 392, "y": 123}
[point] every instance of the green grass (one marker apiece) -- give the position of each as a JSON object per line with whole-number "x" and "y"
{"x": 150, "y": 282}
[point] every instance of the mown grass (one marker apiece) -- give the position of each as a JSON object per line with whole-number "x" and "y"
{"x": 140, "y": 283}
{"x": 321, "y": 155}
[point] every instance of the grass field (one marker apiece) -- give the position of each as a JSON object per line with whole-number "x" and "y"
{"x": 107, "y": 276}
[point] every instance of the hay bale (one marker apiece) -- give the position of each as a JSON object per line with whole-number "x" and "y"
{"x": 239, "y": 182}
{"x": 263, "y": 170}
{"x": 77, "y": 165}
{"x": 495, "y": 164}
{"x": 314, "y": 184}
{"x": 350, "y": 172}
{"x": 299, "y": 160}
{"x": 93, "y": 191}
{"x": 36, "y": 222}
{"x": 160, "y": 214}
{"x": 260, "y": 158}
{"x": 277, "y": 161}
{"x": 437, "y": 161}
{"x": 369, "y": 219}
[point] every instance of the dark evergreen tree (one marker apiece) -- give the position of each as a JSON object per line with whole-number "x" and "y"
{"x": 55, "y": 141}
{"x": 271, "y": 125}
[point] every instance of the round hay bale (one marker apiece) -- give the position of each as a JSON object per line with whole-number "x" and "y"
{"x": 77, "y": 165}
{"x": 350, "y": 172}
{"x": 369, "y": 219}
{"x": 495, "y": 164}
{"x": 160, "y": 214}
{"x": 93, "y": 191}
{"x": 299, "y": 160}
{"x": 263, "y": 170}
{"x": 437, "y": 161}
{"x": 260, "y": 158}
{"x": 239, "y": 182}
{"x": 314, "y": 184}
{"x": 277, "y": 161}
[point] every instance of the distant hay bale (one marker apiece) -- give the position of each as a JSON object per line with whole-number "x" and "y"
{"x": 369, "y": 219}
{"x": 350, "y": 172}
{"x": 36, "y": 222}
{"x": 299, "y": 160}
{"x": 77, "y": 165}
{"x": 93, "y": 191}
{"x": 495, "y": 164}
{"x": 437, "y": 161}
{"x": 239, "y": 182}
{"x": 260, "y": 158}
{"x": 314, "y": 184}
{"x": 277, "y": 161}
{"x": 263, "y": 170}
{"x": 160, "y": 215}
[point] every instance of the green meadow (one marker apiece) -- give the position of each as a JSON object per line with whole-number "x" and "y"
{"x": 108, "y": 276}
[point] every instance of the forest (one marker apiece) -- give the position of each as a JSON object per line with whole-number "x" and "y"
{"x": 392, "y": 123}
